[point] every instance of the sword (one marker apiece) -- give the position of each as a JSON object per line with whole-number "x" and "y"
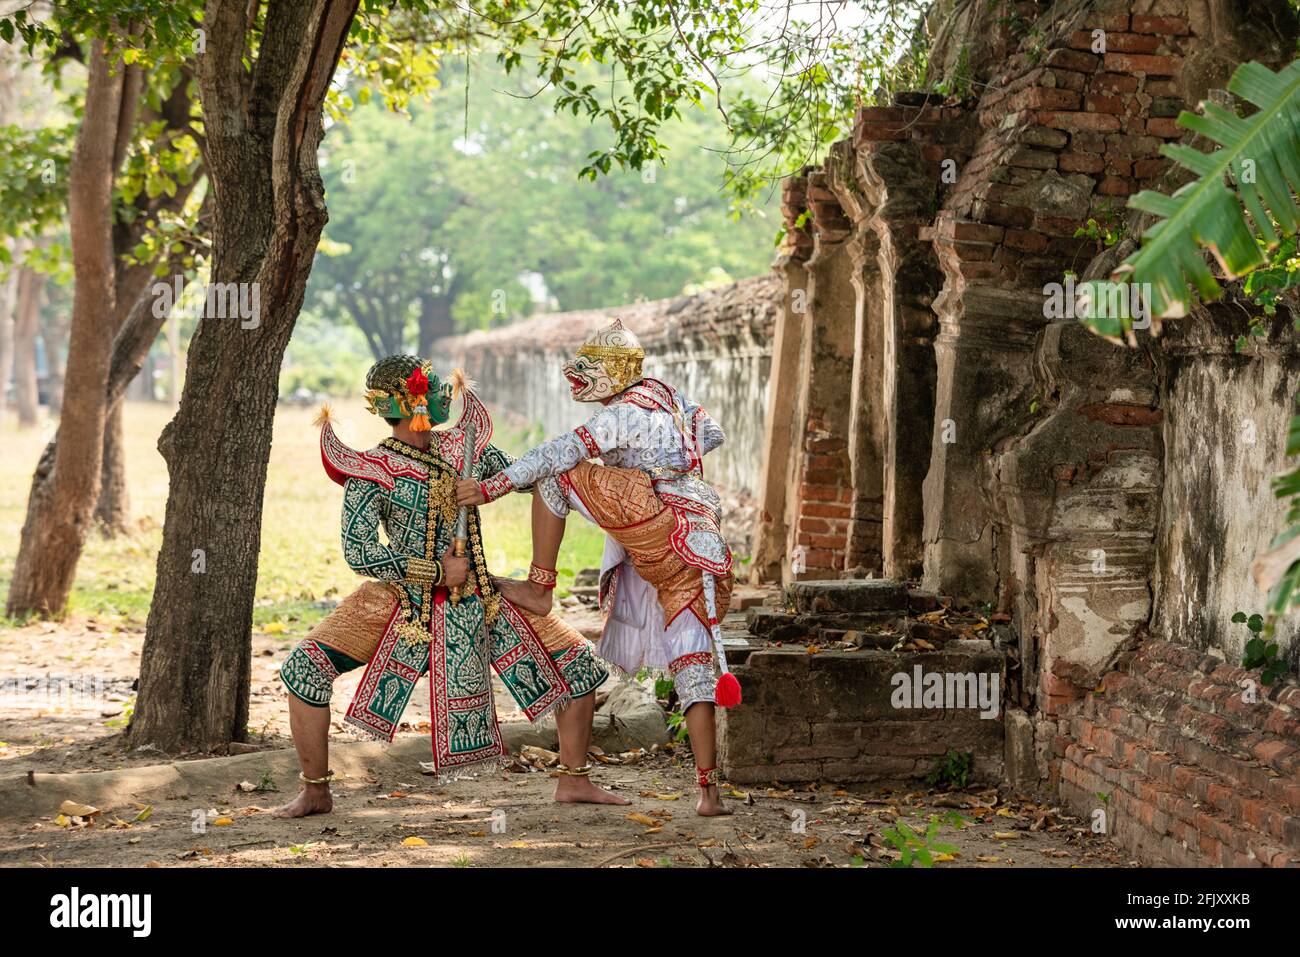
{"x": 460, "y": 537}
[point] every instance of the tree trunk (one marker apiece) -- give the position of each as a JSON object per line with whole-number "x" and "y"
{"x": 435, "y": 322}
{"x": 8, "y": 304}
{"x": 27, "y": 317}
{"x": 59, "y": 509}
{"x": 113, "y": 509}
{"x": 263, "y": 129}
{"x": 54, "y": 333}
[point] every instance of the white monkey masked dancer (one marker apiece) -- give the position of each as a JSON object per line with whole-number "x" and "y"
{"x": 665, "y": 579}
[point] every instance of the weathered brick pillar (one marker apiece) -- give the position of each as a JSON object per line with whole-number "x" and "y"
{"x": 820, "y": 524}
{"x": 867, "y": 413}
{"x": 899, "y": 182}
{"x": 777, "y": 491}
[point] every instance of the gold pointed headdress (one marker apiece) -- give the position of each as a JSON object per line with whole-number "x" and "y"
{"x": 618, "y": 351}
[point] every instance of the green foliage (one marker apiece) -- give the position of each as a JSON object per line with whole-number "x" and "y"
{"x": 952, "y": 771}
{"x": 1259, "y": 651}
{"x": 1105, "y": 229}
{"x": 1278, "y": 276}
{"x": 1261, "y": 155}
{"x": 663, "y": 687}
{"x": 477, "y": 219}
{"x": 677, "y": 725}
{"x": 920, "y": 847}
{"x": 33, "y": 180}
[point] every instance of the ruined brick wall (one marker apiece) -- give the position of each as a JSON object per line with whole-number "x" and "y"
{"x": 1108, "y": 500}
{"x": 715, "y": 346}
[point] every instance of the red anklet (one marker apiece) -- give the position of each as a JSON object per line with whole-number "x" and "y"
{"x": 546, "y": 577}
{"x": 706, "y": 776}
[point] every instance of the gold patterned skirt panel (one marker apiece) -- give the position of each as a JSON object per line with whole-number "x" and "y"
{"x": 358, "y": 623}
{"x": 623, "y": 502}
{"x": 555, "y": 633}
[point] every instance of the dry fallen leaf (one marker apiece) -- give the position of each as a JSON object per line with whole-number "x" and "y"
{"x": 415, "y": 842}
{"x": 1006, "y": 835}
{"x": 77, "y": 810}
{"x": 222, "y": 822}
{"x": 643, "y": 819}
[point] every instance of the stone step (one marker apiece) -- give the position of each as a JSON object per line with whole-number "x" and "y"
{"x": 832, "y": 716}
{"x": 848, "y": 596}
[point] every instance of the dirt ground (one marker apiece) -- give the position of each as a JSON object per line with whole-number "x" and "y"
{"x": 216, "y": 812}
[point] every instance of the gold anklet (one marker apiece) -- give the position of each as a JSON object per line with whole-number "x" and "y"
{"x": 582, "y": 772}
{"x": 329, "y": 776}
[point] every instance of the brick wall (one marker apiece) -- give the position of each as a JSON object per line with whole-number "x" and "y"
{"x": 1193, "y": 773}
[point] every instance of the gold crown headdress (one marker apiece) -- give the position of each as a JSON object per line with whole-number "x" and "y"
{"x": 618, "y": 350}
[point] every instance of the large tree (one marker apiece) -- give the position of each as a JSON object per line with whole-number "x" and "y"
{"x": 154, "y": 166}
{"x": 59, "y": 509}
{"x": 262, "y": 92}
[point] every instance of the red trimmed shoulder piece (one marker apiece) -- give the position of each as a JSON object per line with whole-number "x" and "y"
{"x": 451, "y": 442}
{"x": 651, "y": 394}
{"x": 343, "y": 462}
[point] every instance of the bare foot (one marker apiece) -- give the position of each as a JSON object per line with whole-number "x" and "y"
{"x": 529, "y": 596}
{"x": 574, "y": 790}
{"x": 312, "y": 799}
{"x": 710, "y": 804}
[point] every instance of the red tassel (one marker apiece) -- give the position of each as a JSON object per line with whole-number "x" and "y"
{"x": 727, "y": 693}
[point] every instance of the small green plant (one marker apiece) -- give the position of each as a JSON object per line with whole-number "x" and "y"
{"x": 124, "y": 719}
{"x": 1036, "y": 47}
{"x": 960, "y": 83}
{"x": 1103, "y": 797}
{"x": 1260, "y": 652}
{"x": 1105, "y": 227}
{"x": 677, "y": 725}
{"x": 462, "y": 861}
{"x": 952, "y": 771}
{"x": 1014, "y": 22}
{"x": 921, "y": 847}
{"x": 266, "y": 782}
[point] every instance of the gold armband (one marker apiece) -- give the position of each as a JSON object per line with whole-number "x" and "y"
{"x": 424, "y": 570}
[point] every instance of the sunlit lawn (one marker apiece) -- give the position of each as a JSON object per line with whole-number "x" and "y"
{"x": 301, "y": 562}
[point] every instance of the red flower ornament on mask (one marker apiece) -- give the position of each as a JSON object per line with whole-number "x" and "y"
{"x": 417, "y": 385}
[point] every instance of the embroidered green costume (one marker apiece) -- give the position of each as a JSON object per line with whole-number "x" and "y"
{"x": 405, "y": 623}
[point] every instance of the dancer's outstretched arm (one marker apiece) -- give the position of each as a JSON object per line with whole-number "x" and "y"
{"x": 607, "y": 429}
